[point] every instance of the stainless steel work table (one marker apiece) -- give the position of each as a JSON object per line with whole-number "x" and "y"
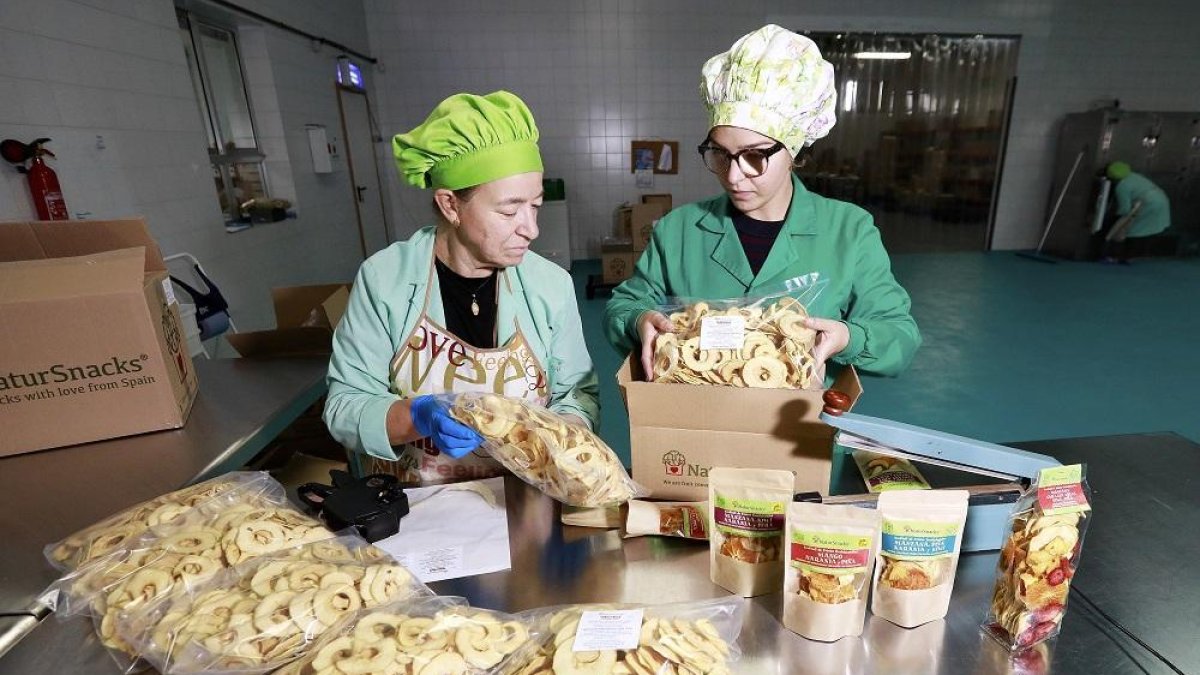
{"x": 241, "y": 406}
{"x": 554, "y": 565}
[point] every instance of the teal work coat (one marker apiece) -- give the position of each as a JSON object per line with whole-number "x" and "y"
{"x": 385, "y": 305}
{"x": 1155, "y": 214}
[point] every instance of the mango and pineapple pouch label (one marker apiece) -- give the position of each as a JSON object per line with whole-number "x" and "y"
{"x": 830, "y": 553}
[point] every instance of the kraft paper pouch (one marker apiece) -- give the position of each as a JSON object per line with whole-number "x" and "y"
{"x": 918, "y": 554}
{"x": 831, "y": 552}
{"x": 602, "y": 517}
{"x": 667, "y": 519}
{"x": 747, "y": 510}
{"x": 882, "y": 473}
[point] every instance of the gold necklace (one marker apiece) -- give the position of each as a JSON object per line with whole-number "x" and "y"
{"x": 474, "y": 302}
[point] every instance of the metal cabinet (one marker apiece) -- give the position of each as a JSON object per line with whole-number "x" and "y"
{"x": 1163, "y": 146}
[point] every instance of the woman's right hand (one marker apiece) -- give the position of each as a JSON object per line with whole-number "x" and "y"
{"x": 448, "y": 434}
{"x": 650, "y": 325}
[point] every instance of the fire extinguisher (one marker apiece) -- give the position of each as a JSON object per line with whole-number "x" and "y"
{"x": 43, "y": 182}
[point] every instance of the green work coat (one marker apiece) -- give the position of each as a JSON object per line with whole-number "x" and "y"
{"x": 695, "y": 253}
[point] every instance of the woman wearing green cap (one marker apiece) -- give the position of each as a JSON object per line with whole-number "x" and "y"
{"x": 768, "y": 97}
{"x": 1142, "y": 211}
{"x": 462, "y": 306}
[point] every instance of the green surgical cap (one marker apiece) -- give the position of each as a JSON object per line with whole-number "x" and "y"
{"x": 1118, "y": 170}
{"x": 469, "y": 140}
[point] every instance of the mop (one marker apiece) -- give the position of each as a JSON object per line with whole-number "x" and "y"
{"x": 1037, "y": 254}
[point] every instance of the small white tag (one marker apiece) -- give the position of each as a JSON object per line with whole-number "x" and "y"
{"x": 169, "y": 291}
{"x": 435, "y": 565}
{"x": 722, "y": 332}
{"x": 605, "y": 631}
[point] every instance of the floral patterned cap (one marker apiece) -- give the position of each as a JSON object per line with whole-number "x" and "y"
{"x": 775, "y": 82}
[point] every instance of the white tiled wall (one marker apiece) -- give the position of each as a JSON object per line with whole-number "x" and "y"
{"x": 77, "y": 69}
{"x": 598, "y": 73}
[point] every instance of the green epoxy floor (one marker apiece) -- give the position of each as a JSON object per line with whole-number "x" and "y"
{"x": 1017, "y": 349}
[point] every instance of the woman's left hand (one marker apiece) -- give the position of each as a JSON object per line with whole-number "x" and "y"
{"x": 832, "y": 338}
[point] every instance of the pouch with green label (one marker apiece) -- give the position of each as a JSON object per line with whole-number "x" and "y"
{"x": 830, "y": 554}
{"x": 921, "y": 534}
{"x": 747, "y": 509}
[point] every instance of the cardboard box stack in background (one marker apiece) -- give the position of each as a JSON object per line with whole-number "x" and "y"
{"x": 305, "y": 317}
{"x": 641, "y": 223}
{"x": 634, "y": 225}
{"x": 678, "y": 432}
{"x": 93, "y": 346}
{"x": 616, "y": 259}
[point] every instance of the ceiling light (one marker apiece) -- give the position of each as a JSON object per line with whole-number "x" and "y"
{"x": 889, "y": 56}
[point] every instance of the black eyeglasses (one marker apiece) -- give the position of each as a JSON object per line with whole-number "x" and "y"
{"x": 752, "y": 161}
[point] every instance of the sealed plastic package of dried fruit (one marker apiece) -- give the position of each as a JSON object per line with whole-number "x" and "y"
{"x": 756, "y": 341}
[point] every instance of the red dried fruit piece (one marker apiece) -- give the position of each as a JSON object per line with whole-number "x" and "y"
{"x": 1056, "y": 576}
{"x": 1065, "y": 566}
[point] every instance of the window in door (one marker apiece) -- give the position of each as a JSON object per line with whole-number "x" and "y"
{"x": 233, "y": 149}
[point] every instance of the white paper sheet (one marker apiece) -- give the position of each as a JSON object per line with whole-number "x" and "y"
{"x": 452, "y": 531}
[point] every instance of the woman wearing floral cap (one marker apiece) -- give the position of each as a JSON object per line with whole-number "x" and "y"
{"x": 768, "y": 97}
{"x": 461, "y": 306}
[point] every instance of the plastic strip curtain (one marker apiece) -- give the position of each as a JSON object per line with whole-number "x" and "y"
{"x": 918, "y": 136}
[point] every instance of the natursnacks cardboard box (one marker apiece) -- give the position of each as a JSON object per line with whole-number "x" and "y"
{"x": 678, "y": 432}
{"x": 93, "y": 347}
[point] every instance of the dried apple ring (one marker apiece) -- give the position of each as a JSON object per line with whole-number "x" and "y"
{"x": 764, "y": 372}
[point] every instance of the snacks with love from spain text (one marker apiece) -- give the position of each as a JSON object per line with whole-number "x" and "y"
{"x": 831, "y": 552}
{"x": 567, "y": 462}
{"x": 1039, "y": 558}
{"x": 747, "y": 510}
{"x": 918, "y": 554}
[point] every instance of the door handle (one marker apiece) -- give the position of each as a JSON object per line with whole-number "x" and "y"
{"x": 359, "y": 189}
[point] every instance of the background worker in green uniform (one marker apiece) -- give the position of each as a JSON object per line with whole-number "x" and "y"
{"x": 1142, "y": 211}
{"x": 769, "y": 96}
{"x": 461, "y": 306}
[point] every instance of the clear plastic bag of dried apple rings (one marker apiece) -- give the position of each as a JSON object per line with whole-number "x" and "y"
{"x": 184, "y": 549}
{"x": 429, "y": 635}
{"x": 108, "y": 535}
{"x": 756, "y": 341}
{"x": 566, "y": 461}
{"x": 179, "y": 555}
{"x": 267, "y": 612}
{"x": 700, "y": 636}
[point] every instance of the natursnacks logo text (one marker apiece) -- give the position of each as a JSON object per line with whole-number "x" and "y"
{"x": 60, "y": 373}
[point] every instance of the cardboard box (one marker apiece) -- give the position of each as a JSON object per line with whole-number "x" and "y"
{"x": 623, "y": 221}
{"x": 642, "y": 218}
{"x": 678, "y": 432}
{"x": 616, "y": 260}
{"x": 93, "y": 347}
{"x": 663, "y": 198}
{"x": 305, "y": 316}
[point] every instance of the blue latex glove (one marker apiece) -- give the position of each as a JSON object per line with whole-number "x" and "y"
{"x": 448, "y": 434}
